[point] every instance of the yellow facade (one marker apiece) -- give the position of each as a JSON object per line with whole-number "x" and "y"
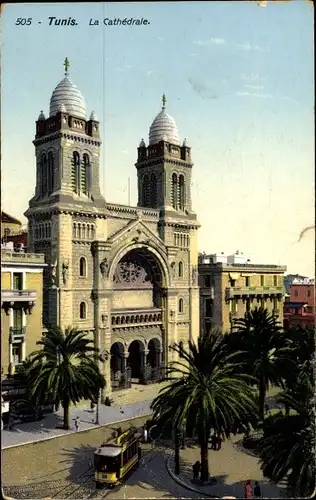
{"x": 228, "y": 291}
{"x": 21, "y": 306}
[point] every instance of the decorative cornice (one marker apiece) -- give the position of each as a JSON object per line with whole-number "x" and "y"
{"x": 65, "y": 135}
{"x": 150, "y": 162}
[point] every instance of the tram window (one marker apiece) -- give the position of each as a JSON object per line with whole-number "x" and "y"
{"x": 107, "y": 464}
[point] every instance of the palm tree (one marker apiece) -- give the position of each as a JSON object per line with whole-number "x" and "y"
{"x": 287, "y": 450}
{"x": 65, "y": 370}
{"x": 263, "y": 350}
{"x": 205, "y": 393}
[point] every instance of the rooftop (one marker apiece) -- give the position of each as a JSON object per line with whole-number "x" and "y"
{"x": 10, "y": 256}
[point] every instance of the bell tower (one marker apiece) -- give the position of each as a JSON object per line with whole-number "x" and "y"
{"x": 67, "y": 151}
{"x": 164, "y": 167}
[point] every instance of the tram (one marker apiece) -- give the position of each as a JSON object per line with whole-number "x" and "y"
{"x": 116, "y": 458}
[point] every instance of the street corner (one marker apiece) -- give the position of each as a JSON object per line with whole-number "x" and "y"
{"x": 181, "y": 482}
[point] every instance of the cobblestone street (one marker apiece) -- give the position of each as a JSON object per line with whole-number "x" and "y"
{"x": 150, "y": 480}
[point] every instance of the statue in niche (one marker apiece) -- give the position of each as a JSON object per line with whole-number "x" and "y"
{"x": 104, "y": 266}
{"x": 53, "y": 270}
{"x": 194, "y": 275}
{"x": 104, "y": 319}
{"x": 65, "y": 272}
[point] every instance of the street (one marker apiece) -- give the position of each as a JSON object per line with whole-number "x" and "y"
{"x": 150, "y": 480}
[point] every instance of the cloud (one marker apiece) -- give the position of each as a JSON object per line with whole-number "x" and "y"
{"x": 203, "y": 90}
{"x": 160, "y": 38}
{"x": 193, "y": 55}
{"x": 254, "y": 94}
{"x": 123, "y": 68}
{"x": 210, "y": 41}
{"x": 254, "y": 87}
{"x": 248, "y": 47}
{"x": 151, "y": 72}
{"x": 251, "y": 77}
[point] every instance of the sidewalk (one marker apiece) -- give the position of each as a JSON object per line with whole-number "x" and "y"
{"x": 229, "y": 468}
{"x": 128, "y": 404}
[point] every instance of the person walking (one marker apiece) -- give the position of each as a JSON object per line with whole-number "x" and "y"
{"x": 77, "y": 423}
{"x": 218, "y": 443}
{"x": 213, "y": 442}
{"x": 257, "y": 490}
{"x": 196, "y": 470}
{"x": 248, "y": 490}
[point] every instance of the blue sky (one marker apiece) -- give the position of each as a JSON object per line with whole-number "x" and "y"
{"x": 239, "y": 81}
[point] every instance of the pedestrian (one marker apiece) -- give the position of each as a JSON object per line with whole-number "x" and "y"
{"x": 196, "y": 470}
{"x": 145, "y": 434}
{"x": 213, "y": 442}
{"x": 257, "y": 490}
{"x": 218, "y": 443}
{"x": 77, "y": 423}
{"x": 248, "y": 490}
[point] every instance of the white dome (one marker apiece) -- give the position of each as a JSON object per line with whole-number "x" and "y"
{"x": 93, "y": 116}
{"x": 67, "y": 94}
{"x": 164, "y": 128}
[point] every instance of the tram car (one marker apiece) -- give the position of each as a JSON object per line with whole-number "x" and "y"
{"x": 117, "y": 458}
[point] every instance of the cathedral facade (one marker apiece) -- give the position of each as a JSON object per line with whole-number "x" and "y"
{"x": 125, "y": 275}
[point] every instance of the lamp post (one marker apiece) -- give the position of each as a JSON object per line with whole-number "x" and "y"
{"x": 104, "y": 356}
{"x": 177, "y": 451}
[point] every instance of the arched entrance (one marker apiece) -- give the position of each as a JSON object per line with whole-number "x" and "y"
{"x": 154, "y": 353}
{"x": 136, "y": 358}
{"x": 117, "y": 357}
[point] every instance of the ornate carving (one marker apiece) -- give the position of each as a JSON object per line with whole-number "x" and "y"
{"x": 194, "y": 275}
{"x": 104, "y": 267}
{"x": 130, "y": 271}
{"x": 104, "y": 319}
{"x": 65, "y": 272}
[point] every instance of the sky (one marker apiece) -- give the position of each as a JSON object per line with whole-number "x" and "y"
{"x": 239, "y": 81}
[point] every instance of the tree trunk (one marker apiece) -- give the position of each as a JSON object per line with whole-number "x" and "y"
{"x": 66, "y": 407}
{"x": 177, "y": 452}
{"x": 262, "y": 397}
{"x": 204, "y": 459}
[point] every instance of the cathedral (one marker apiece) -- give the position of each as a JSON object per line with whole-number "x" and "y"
{"x": 128, "y": 276}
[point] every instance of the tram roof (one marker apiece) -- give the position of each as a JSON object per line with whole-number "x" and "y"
{"x": 109, "y": 451}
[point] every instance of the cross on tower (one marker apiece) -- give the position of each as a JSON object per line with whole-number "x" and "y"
{"x": 66, "y": 64}
{"x": 164, "y": 100}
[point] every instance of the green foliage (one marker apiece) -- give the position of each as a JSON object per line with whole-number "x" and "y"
{"x": 287, "y": 450}
{"x": 207, "y": 393}
{"x": 263, "y": 349}
{"x": 65, "y": 370}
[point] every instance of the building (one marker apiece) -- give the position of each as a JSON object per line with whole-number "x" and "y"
{"x": 9, "y": 224}
{"x": 231, "y": 285}
{"x": 299, "y": 307}
{"x": 12, "y": 230}
{"x": 126, "y": 275}
{"x": 21, "y": 304}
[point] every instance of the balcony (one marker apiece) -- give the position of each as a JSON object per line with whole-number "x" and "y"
{"x": 136, "y": 317}
{"x": 25, "y": 298}
{"x": 250, "y": 292}
{"x": 17, "y": 333}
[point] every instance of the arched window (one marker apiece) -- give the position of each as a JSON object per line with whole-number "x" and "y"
{"x": 180, "y": 306}
{"x": 153, "y": 188}
{"x": 85, "y": 174}
{"x": 83, "y": 310}
{"x": 174, "y": 190}
{"x": 50, "y": 172}
{"x": 146, "y": 191}
{"x": 82, "y": 267}
{"x": 75, "y": 172}
{"x": 181, "y": 192}
{"x": 180, "y": 269}
{"x": 43, "y": 175}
